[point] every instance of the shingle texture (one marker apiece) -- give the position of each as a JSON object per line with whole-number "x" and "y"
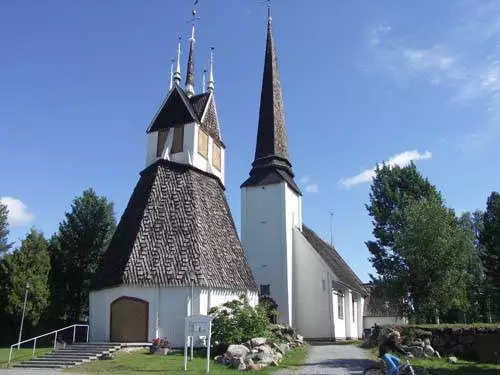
{"x": 178, "y": 109}
{"x": 271, "y": 151}
{"x": 333, "y": 259}
{"x": 177, "y": 221}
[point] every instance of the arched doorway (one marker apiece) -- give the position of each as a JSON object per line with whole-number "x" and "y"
{"x": 129, "y": 320}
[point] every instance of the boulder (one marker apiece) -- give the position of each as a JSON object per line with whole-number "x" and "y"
{"x": 300, "y": 339}
{"x": 427, "y": 342}
{"x": 235, "y": 351}
{"x": 258, "y": 341}
{"x": 266, "y": 358}
{"x": 452, "y": 360}
{"x": 238, "y": 363}
{"x": 429, "y": 351}
{"x": 417, "y": 351}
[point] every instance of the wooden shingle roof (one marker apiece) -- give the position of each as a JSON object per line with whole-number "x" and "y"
{"x": 177, "y": 221}
{"x": 333, "y": 259}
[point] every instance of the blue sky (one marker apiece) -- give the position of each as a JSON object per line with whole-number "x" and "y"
{"x": 363, "y": 82}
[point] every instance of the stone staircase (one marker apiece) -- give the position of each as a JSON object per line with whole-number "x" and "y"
{"x": 71, "y": 355}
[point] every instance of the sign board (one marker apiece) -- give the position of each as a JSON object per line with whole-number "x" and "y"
{"x": 196, "y": 326}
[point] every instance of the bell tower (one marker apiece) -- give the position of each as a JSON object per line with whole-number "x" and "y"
{"x": 270, "y": 198}
{"x": 186, "y": 128}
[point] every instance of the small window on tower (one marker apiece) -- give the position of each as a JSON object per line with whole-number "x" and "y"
{"x": 178, "y": 141}
{"x": 216, "y": 157}
{"x": 265, "y": 290}
{"x": 202, "y": 143}
{"x": 162, "y": 139}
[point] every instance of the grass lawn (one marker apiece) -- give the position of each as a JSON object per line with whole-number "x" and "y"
{"x": 142, "y": 362}
{"x": 20, "y": 355}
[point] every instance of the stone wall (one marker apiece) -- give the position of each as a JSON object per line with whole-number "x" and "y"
{"x": 467, "y": 342}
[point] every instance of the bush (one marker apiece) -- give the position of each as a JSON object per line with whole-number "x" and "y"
{"x": 236, "y": 322}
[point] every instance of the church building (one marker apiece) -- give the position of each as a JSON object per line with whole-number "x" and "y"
{"x": 314, "y": 288}
{"x": 175, "y": 251}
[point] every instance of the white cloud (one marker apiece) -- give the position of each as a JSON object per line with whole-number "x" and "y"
{"x": 402, "y": 159}
{"x": 312, "y": 188}
{"x": 18, "y": 213}
{"x": 464, "y": 58}
{"x": 309, "y": 186}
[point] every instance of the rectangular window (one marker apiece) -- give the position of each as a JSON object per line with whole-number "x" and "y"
{"x": 323, "y": 285}
{"x": 160, "y": 144}
{"x": 353, "y": 310}
{"x": 216, "y": 156}
{"x": 202, "y": 143}
{"x": 265, "y": 290}
{"x": 177, "y": 143}
{"x": 340, "y": 298}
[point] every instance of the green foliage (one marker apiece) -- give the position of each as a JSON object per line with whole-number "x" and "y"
{"x": 271, "y": 307}
{"x": 490, "y": 240}
{"x": 419, "y": 252}
{"x": 437, "y": 256}
{"x": 236, "y": 322}
{"x": 76, "y": 251}
{"x": 4, "y": 230}
{"x": 30, "y": 263}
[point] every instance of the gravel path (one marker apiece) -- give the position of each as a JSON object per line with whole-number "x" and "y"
{"x": 333, "y": 360}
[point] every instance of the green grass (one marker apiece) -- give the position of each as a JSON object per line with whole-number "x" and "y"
{"x": 20, "y": 355}
{"x": 440, "y": 366}
{"x": 142, "y": 362}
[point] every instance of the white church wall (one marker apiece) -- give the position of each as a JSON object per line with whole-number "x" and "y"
{"x": 293, "y": 217}
{"x": 339, "y": 321}
{"x": 264, "y": 240}
{"x": 167, "y": 308}
{"x": 313, "y": 312}
{"x": 361, "y": 309}
{"x": 100, "y": 309}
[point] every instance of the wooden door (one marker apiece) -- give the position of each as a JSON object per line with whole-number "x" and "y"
{"x": 129, "y": 320}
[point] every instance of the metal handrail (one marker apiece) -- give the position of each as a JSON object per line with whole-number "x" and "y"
{"x": 18, "y": 344}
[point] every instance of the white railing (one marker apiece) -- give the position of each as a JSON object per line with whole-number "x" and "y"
{"x": 74, "y": 326}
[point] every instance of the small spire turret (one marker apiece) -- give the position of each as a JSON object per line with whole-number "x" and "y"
{"x": 177, "y": 73}
{"x": 211, "y": 83}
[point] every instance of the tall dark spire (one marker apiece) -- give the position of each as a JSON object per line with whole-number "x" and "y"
{"x": 190, "y": 67}
{"x": 272, "y": 160}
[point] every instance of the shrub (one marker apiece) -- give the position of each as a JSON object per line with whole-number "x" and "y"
{"x": 236, "y": 321}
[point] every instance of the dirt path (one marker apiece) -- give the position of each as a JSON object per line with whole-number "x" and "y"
{"x": 332, "y": 360}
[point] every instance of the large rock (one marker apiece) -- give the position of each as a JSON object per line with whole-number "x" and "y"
{"x": 238, "y": 363}
{"x": 429, "y": 351}
{"x": 236, "y": 351}
{"x": 258, "y": 341}
{"x": 266, "y": 358}
{"x": 452, "y": 360}
{"x": 417, "y": 351}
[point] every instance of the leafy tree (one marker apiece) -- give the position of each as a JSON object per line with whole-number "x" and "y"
{"x": 4, "y": 230}
{"x": 28, "y": 264}
{"x": 472, "y": 225}
{"x": 76, "y": 251}
{"x": 393, "y": 189}
{"x": 490, "y": 240}
{"x": 437, "y": 255}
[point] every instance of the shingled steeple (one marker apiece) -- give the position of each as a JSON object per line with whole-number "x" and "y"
{"x": 272, "y": 160}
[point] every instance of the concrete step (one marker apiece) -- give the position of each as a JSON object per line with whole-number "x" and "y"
{"x": 70, "y": 356}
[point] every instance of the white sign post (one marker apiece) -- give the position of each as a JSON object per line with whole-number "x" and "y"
{"x": 199, "y": 325}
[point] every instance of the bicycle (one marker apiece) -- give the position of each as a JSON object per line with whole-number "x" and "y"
{"x": 380, "y": 369}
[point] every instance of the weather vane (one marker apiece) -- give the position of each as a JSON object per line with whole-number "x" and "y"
{"x": 194, "y": 17}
